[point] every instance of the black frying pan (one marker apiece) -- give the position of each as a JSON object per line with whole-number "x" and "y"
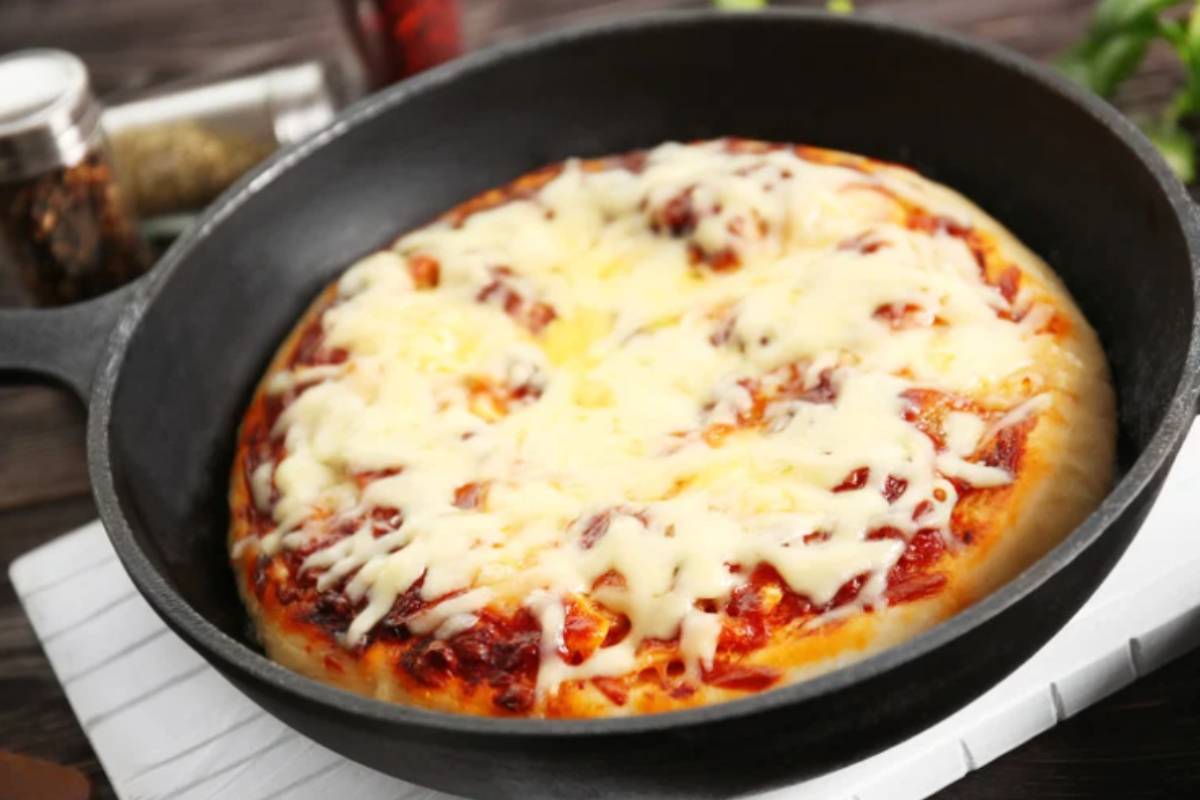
{"x": 1068, "y": 174}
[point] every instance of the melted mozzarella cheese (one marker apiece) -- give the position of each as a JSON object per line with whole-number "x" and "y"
{"x": 630, "y": 373}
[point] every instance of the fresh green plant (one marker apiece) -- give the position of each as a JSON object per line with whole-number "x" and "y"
{"x": 1114, "y": 46}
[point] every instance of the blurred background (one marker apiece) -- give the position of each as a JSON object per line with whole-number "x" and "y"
{"x": 136, "y": 46}
{"x": 195, "y": 93}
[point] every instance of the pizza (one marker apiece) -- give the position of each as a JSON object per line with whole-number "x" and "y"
{"x": 659, "y": 430}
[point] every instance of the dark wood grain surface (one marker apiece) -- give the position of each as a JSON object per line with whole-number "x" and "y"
{"x": 1143, "y": 742}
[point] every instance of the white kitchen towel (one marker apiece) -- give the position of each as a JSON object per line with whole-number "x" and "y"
{"x": 165, "y": 725}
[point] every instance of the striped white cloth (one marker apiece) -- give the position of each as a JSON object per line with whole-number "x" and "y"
{"x": 165, "y": 725}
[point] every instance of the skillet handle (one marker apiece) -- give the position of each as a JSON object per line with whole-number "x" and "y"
{"x": 63, "y": 344}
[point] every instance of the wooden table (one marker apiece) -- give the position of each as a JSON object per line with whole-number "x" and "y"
{"x": 1143, "y": 742}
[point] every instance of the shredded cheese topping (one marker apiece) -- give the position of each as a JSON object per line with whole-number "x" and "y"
{"x": 657, "y": 373}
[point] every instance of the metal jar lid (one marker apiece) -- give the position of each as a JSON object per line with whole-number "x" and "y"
{"x": 48, "y": 114}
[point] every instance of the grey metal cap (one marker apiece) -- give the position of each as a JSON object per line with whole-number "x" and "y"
{"x": 300, "y": 99}
{"x": 48, "y": 114}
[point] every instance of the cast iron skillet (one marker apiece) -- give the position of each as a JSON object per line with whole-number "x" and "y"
{"x": 1068, "y": 174}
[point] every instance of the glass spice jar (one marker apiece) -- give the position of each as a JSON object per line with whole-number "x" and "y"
{"x": 175, "y": 152}
{"x": 63, "y": 223}
{"x": 398, "y": 38}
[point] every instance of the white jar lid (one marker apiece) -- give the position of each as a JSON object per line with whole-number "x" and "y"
{"x": 48, "y": 114}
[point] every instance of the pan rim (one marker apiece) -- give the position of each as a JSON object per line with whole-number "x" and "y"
{"x": 233, "y": 655}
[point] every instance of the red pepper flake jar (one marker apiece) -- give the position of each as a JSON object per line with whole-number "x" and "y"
{"x": 62, "y": 220}
{"x": 398, "y": 38}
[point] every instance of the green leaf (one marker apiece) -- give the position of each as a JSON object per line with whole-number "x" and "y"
{"x": 1077, "y": 66}
{"x": 1115, "y": 16}
{"x": 1116, "y": 60}
{"x": 1176, "y": 146}
{"x": 840, "y": 6}
{"x": 1192, "y": 41}
{"x": 1174, "y": 33}
{"x": 740, "y": 5}
{"x": 1116, "y": 42}
{"x": 1102, "y": 66}
{"x": 1184, "y": 36}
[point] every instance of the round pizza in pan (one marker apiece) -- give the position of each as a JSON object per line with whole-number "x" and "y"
{"x": 660, "y": 430}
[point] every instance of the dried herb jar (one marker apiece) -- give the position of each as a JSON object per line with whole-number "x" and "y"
{"x": 175, "y": 152}
{"x": 63, "y": 224}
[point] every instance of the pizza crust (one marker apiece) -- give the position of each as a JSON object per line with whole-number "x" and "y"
{"x": 1066, "y": 470}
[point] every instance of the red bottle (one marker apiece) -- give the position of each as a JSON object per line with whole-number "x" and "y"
{"x": 398, "y": 38}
